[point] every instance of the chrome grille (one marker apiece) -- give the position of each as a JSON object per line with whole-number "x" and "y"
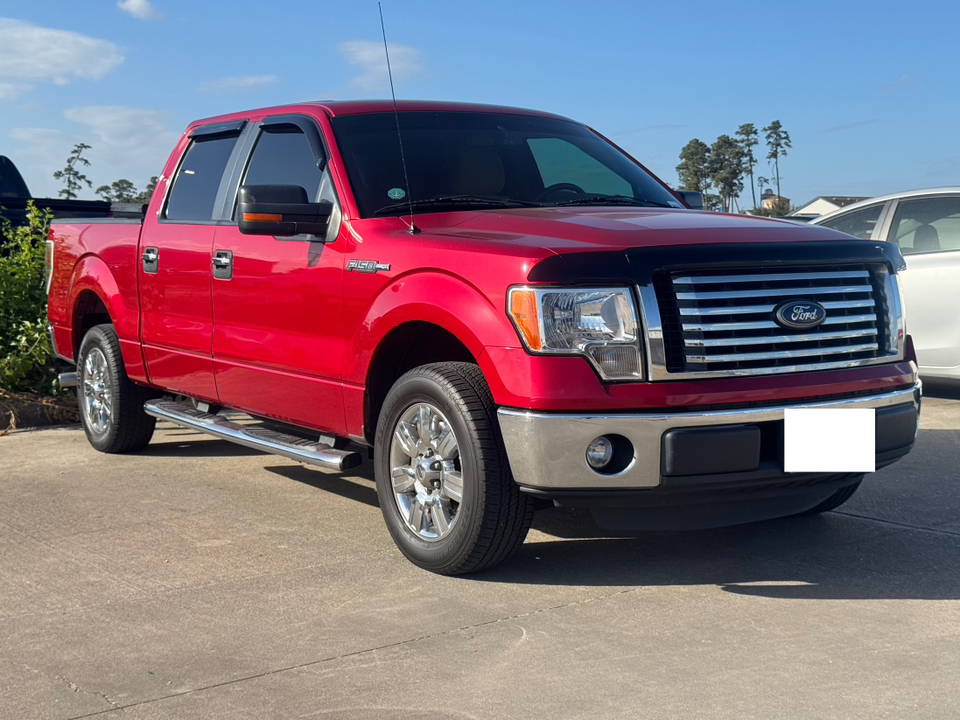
{"x": 724, "y": 323}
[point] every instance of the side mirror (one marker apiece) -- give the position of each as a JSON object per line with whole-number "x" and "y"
{"x": 281, "y": 211}
{"x": 693, "y": 199}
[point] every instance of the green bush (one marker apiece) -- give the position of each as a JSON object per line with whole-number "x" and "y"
{"x": 27, "y": 363}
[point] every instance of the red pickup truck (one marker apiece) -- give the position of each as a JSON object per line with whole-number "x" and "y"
{"x": 502, "y": 306}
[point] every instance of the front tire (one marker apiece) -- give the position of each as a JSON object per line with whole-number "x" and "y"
{"x": 111, "y": 405}
{"x": 443, "y": 479}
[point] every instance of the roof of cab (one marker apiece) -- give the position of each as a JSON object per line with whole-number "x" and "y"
{"x": 359, "y": 107}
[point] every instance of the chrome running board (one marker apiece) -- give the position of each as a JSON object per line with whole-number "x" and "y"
{"x": 258, "y": 438}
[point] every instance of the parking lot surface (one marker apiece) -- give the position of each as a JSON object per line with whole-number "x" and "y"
{"x": 198, "y": 579}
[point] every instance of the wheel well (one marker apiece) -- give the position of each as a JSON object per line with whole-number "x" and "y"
{"x": 405, "y": 347}
{"x": 88, "y": 312}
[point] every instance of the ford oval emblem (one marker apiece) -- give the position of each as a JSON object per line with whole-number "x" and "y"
{"x": 799, "y": 314}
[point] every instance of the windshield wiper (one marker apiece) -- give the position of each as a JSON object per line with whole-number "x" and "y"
{"x": 446, "y": 201}
{"x": 612, "y": 200}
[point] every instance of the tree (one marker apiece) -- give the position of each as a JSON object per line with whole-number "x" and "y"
{"x": 694, "y": 168}
{"x": 726, "y": 170}
{"x": 145, "y": 196}
{"x": 748, "y": 137}
{"x": 73, "y": 179}
{"x": 118, "y": 191}
{"x": 778, "y": 140}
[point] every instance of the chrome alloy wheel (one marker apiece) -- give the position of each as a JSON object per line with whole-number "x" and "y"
{"x": 97, "y": 393}
{"x": 425, "y": 471}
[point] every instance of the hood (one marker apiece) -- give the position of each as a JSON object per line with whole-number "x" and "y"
{"x": 584, "y": 229}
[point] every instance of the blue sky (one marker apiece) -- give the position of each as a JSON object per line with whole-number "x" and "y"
{"x": 867, "y": 90}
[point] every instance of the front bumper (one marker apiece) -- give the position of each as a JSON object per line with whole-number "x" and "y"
{"x": 547, "y": 450}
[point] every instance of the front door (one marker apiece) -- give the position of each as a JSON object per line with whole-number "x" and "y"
{"x": 928, "y": 232}
{"x": 277, "y": 303}
{"x": 175, "y": 277}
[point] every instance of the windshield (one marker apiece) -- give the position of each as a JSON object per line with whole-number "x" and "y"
{"x": 473, "y": 160}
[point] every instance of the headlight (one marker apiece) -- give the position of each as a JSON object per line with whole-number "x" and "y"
{"x": 600, "y": 323}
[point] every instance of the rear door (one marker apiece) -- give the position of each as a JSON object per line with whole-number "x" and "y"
{"x": 928, "y": 232}
{"x": 175, "y": 274}
{"x": 278, "y": 329}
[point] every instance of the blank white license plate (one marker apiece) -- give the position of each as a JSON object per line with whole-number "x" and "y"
{"x": 829, "y": 440}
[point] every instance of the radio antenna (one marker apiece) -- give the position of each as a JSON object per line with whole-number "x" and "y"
{"x": 413, "y": 229}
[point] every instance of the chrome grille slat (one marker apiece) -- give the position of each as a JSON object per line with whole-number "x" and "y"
{"x": 776, "y": 339}
{"x": 782, "y": 354}
{"x": 771, "y": 292}
{"x": 750, "y": 309}
{"x": 770, "y": 325}
{"x": 724, "y": 324}
{"x": 772, "y": 277}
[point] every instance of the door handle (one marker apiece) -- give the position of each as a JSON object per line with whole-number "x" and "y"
{"x": 151, "y": 260}
{"x": 223, "y": 265}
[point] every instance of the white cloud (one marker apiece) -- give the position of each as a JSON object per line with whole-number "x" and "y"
{"x": 126, "y": 142}
{"x": 369, "y": 57}
{"x": 140, "y": 9}
{"x": 240, "y": 82}
{"x": 33, "y": 53}
{"x": 11, "y": 91}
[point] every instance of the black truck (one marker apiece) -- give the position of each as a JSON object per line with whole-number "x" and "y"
{"x": 14, "y": 196}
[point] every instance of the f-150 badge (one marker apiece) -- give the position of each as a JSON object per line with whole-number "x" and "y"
{"x": 367, "y": 266}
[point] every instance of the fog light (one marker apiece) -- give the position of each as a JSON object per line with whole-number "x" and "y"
{"x": 600, "y": 452}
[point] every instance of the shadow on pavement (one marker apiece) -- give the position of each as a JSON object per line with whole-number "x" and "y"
{"x": 941, "y": 389}
{"x": 199, "y": 446}
{"x": 332, "y": 483}
{"x": 804, "y": 564}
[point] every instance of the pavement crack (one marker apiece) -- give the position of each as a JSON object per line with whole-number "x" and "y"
{"x": 894, "y": 523}
{"x": 76, "y": 688}
{"x": 364, "y": 651}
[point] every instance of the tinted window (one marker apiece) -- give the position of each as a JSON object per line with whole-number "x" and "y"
{"x": 195, "y": 187}
{"x": 485, "y": 154}
{"x": 927, "y": 225}
{"x": 561, "y": 162}
{"x": 859, "y": 223}
{"x": 283, "y": 156}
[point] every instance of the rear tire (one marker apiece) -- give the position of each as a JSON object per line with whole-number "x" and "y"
{"x": 834, "y": 501}
{"x": 111, "y": 405}
{"x": 443, "y": 478}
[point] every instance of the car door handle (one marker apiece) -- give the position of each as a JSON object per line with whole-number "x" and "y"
{"x": 151, "y": 260}
{"x": 223, "y": 265}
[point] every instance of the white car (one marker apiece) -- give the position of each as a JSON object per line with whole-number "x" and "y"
{"x": 926, "y": 226}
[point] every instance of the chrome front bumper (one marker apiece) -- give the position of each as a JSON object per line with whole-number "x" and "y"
{"x": 547, "y": 450}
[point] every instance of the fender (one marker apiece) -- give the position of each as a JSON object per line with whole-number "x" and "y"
{"x": 91, "y": 273}
{"x": 434, "y": 297}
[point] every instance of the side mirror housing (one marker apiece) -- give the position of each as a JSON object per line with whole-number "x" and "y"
{"x": 693, "y": 199}
{"x": 281, "y": 211}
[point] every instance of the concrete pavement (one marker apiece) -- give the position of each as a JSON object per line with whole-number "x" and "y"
{"x": 202, "y": 580}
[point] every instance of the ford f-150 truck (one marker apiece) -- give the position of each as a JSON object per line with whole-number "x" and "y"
{"x": 502, "y": 306}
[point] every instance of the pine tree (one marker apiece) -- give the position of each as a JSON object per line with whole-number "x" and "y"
{"x": 73, "y": 179}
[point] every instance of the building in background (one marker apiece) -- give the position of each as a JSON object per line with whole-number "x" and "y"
{"x": 824, "y": 204}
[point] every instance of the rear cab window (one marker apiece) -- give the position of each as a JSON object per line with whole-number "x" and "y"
{"x": 197, "y": 182}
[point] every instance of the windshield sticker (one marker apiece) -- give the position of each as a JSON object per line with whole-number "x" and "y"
{"x": 396, "y": 194}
